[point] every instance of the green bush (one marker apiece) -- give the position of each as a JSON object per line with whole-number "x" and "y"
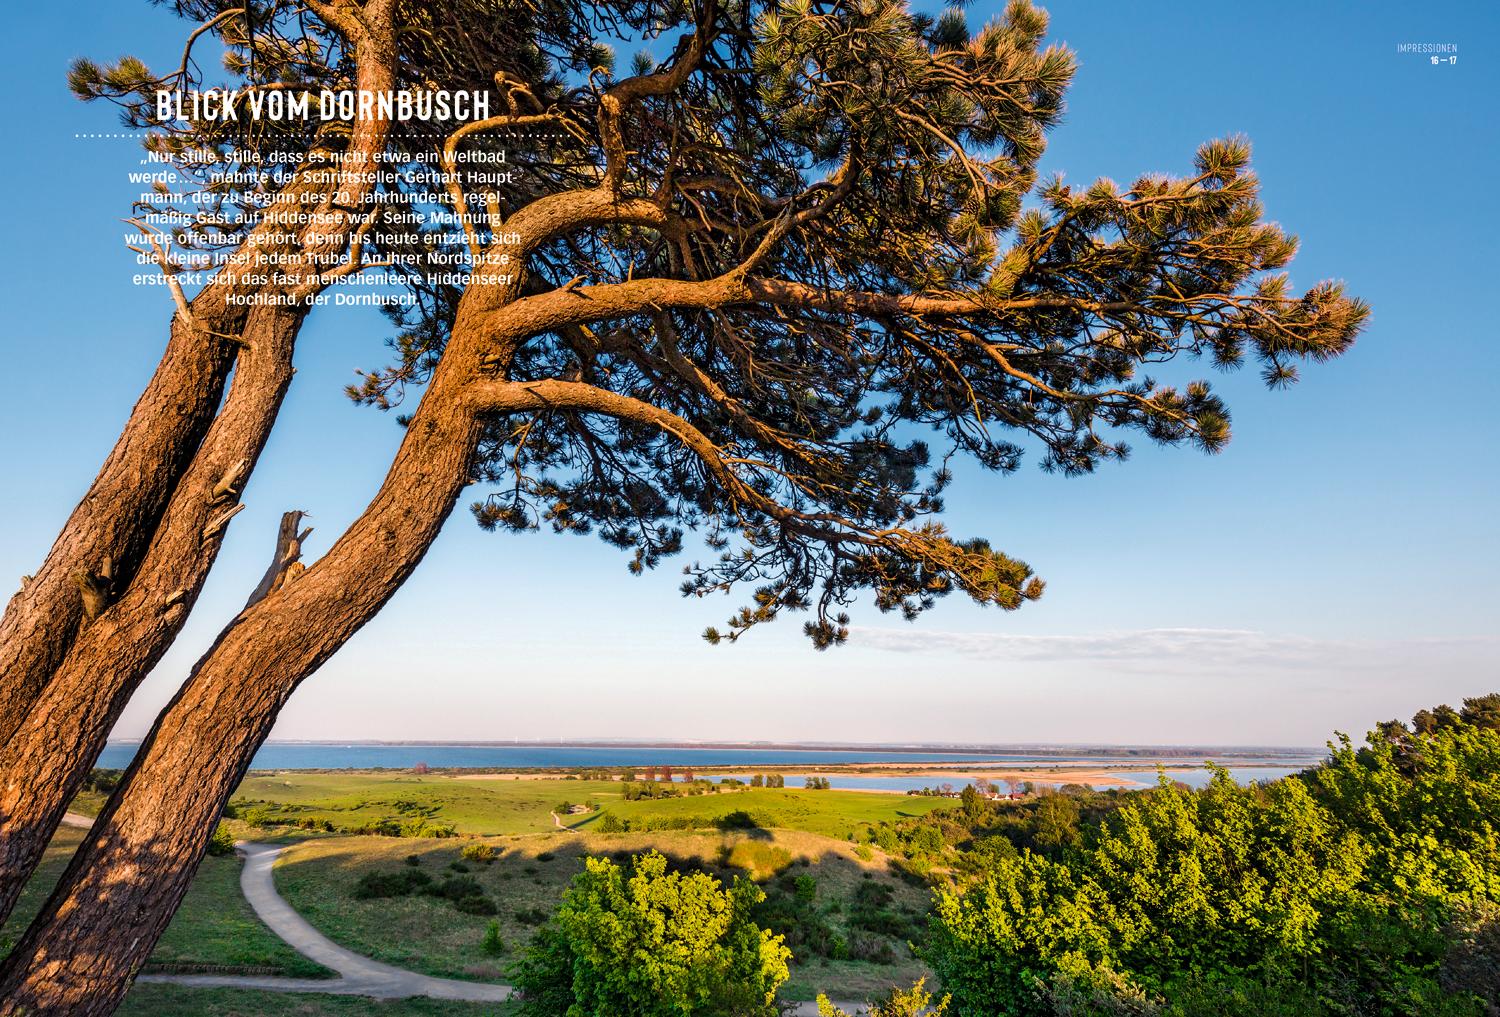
{"x": 492, "y": 944}
{"x": 483, "y": 853}
{"x": 1338, "y": 891}
{"x": 707, "y": 958}
{"x": 455, "y": 888}
{"x": 221, "y": 843}
{"x": 373, "y": 885}
{"x": 913, "y": 1002}
{"x": 476, "y": 904}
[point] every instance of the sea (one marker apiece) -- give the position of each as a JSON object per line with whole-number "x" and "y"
{"x": 1245, "y": 765}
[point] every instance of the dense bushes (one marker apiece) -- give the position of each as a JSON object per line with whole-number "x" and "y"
{"x": 373, "y": 885}
{"x": 652, "y": 943}
{"x": 221, "y": 843}
{"x": 635, "y": 790}
{"x": 413, "y": 819}
{"x": 463, "y": 892}
{"x": 1343, "y": 891}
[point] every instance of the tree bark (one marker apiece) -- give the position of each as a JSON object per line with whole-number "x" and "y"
{"x": 95, "y": 556}
{"x": 124, "y": 884}
{"x": 107, "y": 531}
{"x": 127, "y": 879}
{"x": 48, "y": 756}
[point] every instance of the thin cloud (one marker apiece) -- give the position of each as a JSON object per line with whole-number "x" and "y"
{"x": 1179, "y": 649}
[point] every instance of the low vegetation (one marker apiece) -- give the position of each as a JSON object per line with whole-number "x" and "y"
{"x": 1364, "y": 886}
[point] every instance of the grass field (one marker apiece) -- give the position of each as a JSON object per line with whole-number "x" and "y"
{"x": 794, "y": 832}
{"x": 34, "y": 893}
{"x": 527, "y": 880}
{"x": 147, "y": 1000}
{"x": 352, "y": 800}
{"x": 215, "y": 926}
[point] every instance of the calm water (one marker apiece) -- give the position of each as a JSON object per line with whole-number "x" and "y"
{"x": 1138, "y": 779}
{"x": 336, "y": 756}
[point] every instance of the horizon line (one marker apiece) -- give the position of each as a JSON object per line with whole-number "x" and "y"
{"x": 663, "y": 743}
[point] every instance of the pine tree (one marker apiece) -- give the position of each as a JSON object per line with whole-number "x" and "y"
{"x": 745, "y": 296}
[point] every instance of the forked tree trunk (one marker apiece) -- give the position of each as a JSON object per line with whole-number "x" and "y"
{"x": 47, "y": 758}
{"x": 125, "y": 882}
{"x": 64, "y": 723}
{"x": 95, "y": 556}
{"x": 108, "y": 530}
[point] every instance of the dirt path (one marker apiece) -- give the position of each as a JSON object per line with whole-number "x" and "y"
{"x": 559, "y": 824}
{"x": 358, "y": 975}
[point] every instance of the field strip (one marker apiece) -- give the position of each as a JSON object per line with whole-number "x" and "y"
{"x": 358, "y": 975}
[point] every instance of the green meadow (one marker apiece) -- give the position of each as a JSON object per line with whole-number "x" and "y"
{"x": 215, "y": 926}
{"x": 771, "y": 835}
{"x": 349, "y": 801}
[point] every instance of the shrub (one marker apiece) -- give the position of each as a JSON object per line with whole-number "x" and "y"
{"x": 484, "y": 853}
{"x": 413, "y": 859}
{"x": 221, "y": 843}
{"x": 545, "y": 856}
{"x": 608, "y": 822}
{"x": 913, "y": 1002}
{"x": 458, "y": 867}
{"x": 708, "y": 958}
{"x": 258, "y": 817}
{"x": 875, "y": 949}
{"x": 806, "y": 889}
{"x": 476, "y": 904}
{"x": 374, "y": 885}
{"x": 531, "y": 916}
{"x": 492, "y": 944}
{"x": 455, "y": 888}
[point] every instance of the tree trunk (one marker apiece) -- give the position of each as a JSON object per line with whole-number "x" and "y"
{"x": 95, "y": 556}
{"x": 125, "y": 882}
{"x": 108, "y": 530}
{"x": 47, "y": 758}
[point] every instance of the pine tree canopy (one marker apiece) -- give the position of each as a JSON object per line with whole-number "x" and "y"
{"x": 792, "y": 264}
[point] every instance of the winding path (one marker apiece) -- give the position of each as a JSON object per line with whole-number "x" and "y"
{"x": 358, "y": 975}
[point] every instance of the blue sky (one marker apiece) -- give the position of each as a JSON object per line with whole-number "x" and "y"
{"x": 1335, "y": 566}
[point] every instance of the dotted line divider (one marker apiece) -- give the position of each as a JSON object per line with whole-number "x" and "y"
{"x": 310, "y": 137}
